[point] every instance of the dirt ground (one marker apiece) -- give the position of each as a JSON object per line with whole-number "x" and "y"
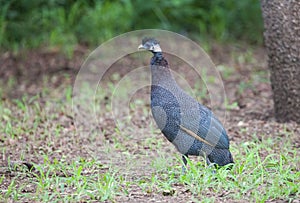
{"x": 253, "y": 110}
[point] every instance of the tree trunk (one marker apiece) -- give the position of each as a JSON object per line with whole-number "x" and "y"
{"x": 282, "y": 40}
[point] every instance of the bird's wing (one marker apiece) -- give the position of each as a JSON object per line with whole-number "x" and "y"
{"x": 197, "y": 137}
{"x": 205, "y": 128}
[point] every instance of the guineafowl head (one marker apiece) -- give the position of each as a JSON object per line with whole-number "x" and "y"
{"x": 150, "y": 44}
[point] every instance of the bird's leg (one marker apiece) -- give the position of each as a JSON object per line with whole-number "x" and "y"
{"x": 210, "y": 164}
{"x": 184, "y": 163}
{"x": 204, "y": 155}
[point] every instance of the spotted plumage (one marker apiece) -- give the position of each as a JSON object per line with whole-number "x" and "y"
{"x": 190, "y": 126}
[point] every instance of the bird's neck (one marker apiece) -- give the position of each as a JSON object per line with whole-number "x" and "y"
{"x": 160, "y": 72}
{"x": 158, "y": 59}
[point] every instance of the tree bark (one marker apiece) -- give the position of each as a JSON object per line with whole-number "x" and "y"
{"x": 282, "y": 40}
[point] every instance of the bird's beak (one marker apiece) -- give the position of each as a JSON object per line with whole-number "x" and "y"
{"x": 141, "y": 47}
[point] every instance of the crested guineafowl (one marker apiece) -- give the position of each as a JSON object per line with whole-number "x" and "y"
{"x": 190, "y": 126}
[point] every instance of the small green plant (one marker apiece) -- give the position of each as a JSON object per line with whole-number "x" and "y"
{"x": 225, "y": 71}
{"x": 231, "y": 106}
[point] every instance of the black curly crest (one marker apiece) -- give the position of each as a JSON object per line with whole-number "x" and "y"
{"x": 149, "y": 39}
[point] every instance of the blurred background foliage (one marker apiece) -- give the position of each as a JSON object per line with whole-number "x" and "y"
{"x": 65, "y": 23}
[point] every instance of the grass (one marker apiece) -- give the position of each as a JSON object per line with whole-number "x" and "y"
{"x": 263, "y": 169}
{"x": 120, "y": 164}
{"x": 55, "y": 181}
